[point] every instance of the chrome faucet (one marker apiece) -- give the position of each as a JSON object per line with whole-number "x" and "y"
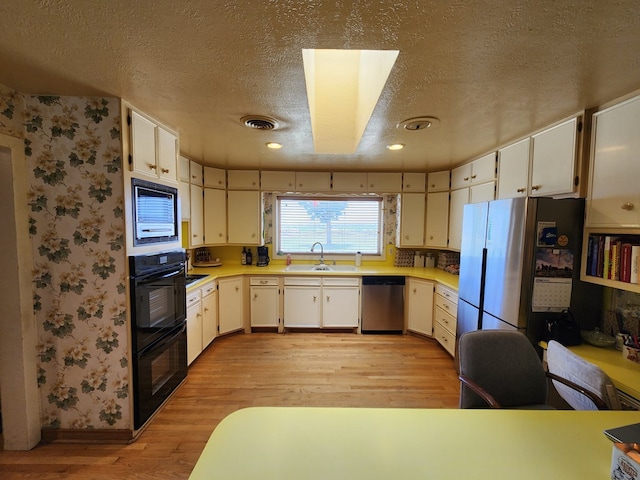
{"x": 321, "y": 251}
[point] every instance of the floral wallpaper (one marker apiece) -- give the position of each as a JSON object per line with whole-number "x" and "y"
{"x": 76, "y": 223}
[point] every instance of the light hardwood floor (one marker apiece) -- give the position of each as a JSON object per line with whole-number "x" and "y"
{"x": 261, "y": 369}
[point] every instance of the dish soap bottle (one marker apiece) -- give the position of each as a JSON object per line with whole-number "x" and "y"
{"x": 249, "y": 257}
{"x": 244, "y": 256}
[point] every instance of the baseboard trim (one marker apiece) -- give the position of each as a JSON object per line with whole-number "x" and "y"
{"x": 93, "y": 436}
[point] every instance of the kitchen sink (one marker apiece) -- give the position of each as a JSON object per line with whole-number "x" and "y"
{"x": 320, "y": 268}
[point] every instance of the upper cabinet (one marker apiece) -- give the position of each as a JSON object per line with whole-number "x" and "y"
{"x": 384, "y": 182}
{"x": 350, "y": 182}
{"x": 215, "y": 177}
{"x": 438, "y": 181}
{"x": 196, "y": 175}
{"x": 274, "y": 181}
{"x": 478, "y": 171}
{"x": 513, "y": 170}
{"x": 553, "y": 159}
{"x": 243, "y": 180}
{"x": 413, "y": 182}
{"x": 313, "y": 181}
{"x": 614, "y": 190}
{"x": 154, "y": 149}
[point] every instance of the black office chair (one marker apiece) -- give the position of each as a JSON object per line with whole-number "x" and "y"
{"x": 501, "y": 369}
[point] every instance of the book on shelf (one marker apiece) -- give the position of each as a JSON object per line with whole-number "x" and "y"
{"x": 635, "y": 255}
{"x": 600, "y": 259}
{"x": 625, "y": 262}
{"x": 606, "y": 264}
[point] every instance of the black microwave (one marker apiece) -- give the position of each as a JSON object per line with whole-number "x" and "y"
{"x": 155, "y": 212}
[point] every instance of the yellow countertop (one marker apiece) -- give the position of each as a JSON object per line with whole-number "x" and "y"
{"x": 349, "y": 443}
{"x": 435, "y": 274}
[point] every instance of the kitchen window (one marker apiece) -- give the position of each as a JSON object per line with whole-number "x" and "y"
{"x": 344, "y": 225}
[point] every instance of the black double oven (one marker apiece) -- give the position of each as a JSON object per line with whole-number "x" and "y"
{"x": 159, "y": 330}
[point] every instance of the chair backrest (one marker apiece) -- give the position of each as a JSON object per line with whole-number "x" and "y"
{"x": 505, "y": 364}
{"x": 563, "y": 362}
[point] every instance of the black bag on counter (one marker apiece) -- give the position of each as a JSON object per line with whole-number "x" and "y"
{"x": 563, "y": 329}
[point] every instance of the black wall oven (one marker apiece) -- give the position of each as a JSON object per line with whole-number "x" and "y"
{"x": 158, "y": 322}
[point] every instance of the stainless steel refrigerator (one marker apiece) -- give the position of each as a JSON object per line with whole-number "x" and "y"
{"x": 520, "y": 264}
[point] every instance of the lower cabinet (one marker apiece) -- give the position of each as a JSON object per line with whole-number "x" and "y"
{"x": 317, "y": 302}
{"x": 209, "y": 313}
{"x": 265, "y": 301}
{"x": 230, "y": 304}
{"x": 419, "y": 306}
{"x": 202, "y": 319}
{"x": 445, "y": 315}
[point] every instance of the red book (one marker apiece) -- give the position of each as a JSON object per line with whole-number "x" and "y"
{"x": 625, "y": 263}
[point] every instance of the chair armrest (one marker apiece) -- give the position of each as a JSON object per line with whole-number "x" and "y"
{"x": 599, "y": 403}
{"x": 481, "y": 392}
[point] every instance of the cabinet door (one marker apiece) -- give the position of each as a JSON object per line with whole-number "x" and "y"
{"x": 437, "y": 223}
{"x": 438, "y": 181}
{"x": 143, "y": 145}
{"x": 414, "y": 182}
{"x": 420, "y": 306}
{"x": 483, "y": 169}
{"x": 209, "y": 316}
{"x": 215, "y": 216}
{"x": 482, "y": 193}
{"x": 412, "y": 208}
{"x": 215, "y": 177}
{"x": 183, "y": 169}
{"x": 264, "y": 306}
{"x": 384, "y": 182}
{"x": 313, "y": 181}
{"x": 194, "y": 332}
{"x": 243, "y": 180}
{"x": 196, "y": 228}
{"x": 277, "y": 181}
{"x": 340, "y": 306}
{"x": 513, "y": 170}
{"x": 185, "y": 200}
{"x": 244, "y": 214}
{"x": 349, "y": 182}
{"x": 614, "y": 193}
{"x": 459, "y": 198}
{"x": 553, "y": 160}
{"x": 461, "y": 176}
{"x": 230, "y": 305}
{"x": 195, "y": 173}
{"x": 167, "y": 155}
{"x": 302, "y": 306}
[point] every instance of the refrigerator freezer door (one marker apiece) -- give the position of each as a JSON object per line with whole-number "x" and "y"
{"x": 474, "y": 230}
{"x": 489, "y": 322}
{"x": 467, "y": 319}
{"x": 506, "y": 258}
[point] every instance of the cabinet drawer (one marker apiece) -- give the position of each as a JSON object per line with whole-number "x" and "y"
{"x": 341, "y": 282}
{"x": 207, "y": 289}
{"x": 445, "y": 338}
{"x": 446, "y": 305}
{"x": 263, "y": 281}
{"x": 193, "y": 297}
{"x": 447, "y": 293}
{"x": 447, "y": 321}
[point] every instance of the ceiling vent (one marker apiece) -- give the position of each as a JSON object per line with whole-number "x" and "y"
{"x": 260, "y": 122}
{"x": 419, "y": 123}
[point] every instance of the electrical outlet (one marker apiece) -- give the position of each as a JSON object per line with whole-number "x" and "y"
{"x": 390, "y": 250}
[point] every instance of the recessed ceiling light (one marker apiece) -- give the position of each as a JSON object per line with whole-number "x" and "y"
{"x": 395, "y": 146}
{"x": 419, "y": 123}
{"x": 274, "y": 145}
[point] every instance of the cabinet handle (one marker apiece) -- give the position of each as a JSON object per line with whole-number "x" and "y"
{"x": 444, "y": 339}
{"x": 627, "y": 206}
{"x": 152, "y": 167}
{"x": 165, "y": 170}
{"x": 195, "y": 235}
{"x": 446, "y": 321}
{"x": 536, "y": 187}
{"x": 206, "y": 309}
{"x": 474, "y": 176}
{"x": 220, "y": 234}
{"x": 290, "y": 184}
{"x": 466, "y": 178}
{"x": 328, "y": 298}
{"x": 253, "y": 235}
{"x": 406, "y": 237}
{"x": 433, "y": 185}
{"x": 198, "y": 314}
{"x": 255, "y": 295}
{"x": 315, "y": 298}
{"x": 414, "y": 290}
{"x": 237, "y": 288}
{"x": 408, "y": 186}
{"x": 193, "y": 176}
{"x": 447, "y": 307}
{"x": 431, "y": 237}
{"x": 521, "y": 190}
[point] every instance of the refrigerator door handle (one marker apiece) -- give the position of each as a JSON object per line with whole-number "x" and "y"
{"x": 483, "y": 277}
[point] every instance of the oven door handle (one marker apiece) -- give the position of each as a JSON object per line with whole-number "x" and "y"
{"x": 162, "y": 342}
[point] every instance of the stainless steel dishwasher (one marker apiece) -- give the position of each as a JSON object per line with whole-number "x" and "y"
{"x": 382, "y": 304}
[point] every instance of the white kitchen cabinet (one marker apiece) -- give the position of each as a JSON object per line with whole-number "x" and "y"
{"x": 445, "y": 317}
{"x": 419, "y": 306}
{"x": 194, "y": 326}
{"x": 484, "y": 192}
{"x": 215, "y": 216}
{"x": 230, "y": 305}
{"x": 183, "y": 168}
{"x": 412, "y": 218}
{"x": 196, "y": 223}
{"x": 340, "y": 302}
{"x": 275, "y": 181}
{"x": 209, "y": 295}
{"x": 265, "y": 301}
{"x": 438, "y": 181}
{"x": 513, "y": 170}
{"x": 350, "y": 182}
{"x": 196, "y": 175}
{"x": 479, "y": 171}
{"x": 553, "y": 159}
{"x": 214, "y": 177}
{"x": 384, "y": 182}
{"x": 313, "y": 181}
{"x": 185, "y": 200}
{"x": 614, "y": 191}
{"x": 414, "y": 182}
{"x": 154, "y": 149}
{"x": 243, "y": 180}
{"x": 302, "y": 302}
{"x": 437, "y": 221}
{"x": 458, "y": 199}
{"x": 244, "y": 217}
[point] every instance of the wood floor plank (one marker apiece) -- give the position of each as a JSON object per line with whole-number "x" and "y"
{"x": 261, "y": 369}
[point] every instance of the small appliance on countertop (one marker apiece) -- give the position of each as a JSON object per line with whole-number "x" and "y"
{"x": 263, "y": 257}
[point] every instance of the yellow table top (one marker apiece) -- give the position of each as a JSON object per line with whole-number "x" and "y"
{"x": 349, "y": 443}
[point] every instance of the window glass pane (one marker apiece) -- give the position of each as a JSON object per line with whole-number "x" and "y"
{"x": 342, "y": 225}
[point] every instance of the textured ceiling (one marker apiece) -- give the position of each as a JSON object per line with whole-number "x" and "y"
{"x": 491, "y": 71}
